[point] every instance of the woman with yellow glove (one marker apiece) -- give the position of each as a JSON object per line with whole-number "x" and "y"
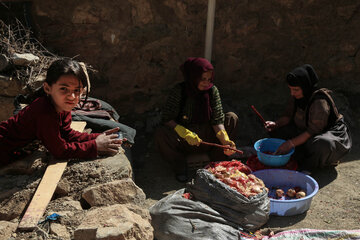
{"x": 193, "y": 113}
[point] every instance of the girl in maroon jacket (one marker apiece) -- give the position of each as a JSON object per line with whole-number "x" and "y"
{"x": 48, "y": 119}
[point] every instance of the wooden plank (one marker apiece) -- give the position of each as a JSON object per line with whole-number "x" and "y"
{"x": 46, "y": 189}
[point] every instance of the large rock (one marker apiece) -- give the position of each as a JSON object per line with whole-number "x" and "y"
{"x": 6, "y": 229}
{"x": 121, "y": 191}
{"x": 14, "y": 206}
{"x": 119, "y": 221}
{"x": 24, "y": 59}
{"x": 81, "y": 174}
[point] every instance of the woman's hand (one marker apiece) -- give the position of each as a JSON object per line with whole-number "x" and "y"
{"x": 225, "y": 140}
{"x": 108, "y": 143}
{"x": 270, "y": 126}
{"x": 229, "y": 152}
{"x": 285, "y": 148}
{"x": 190, "y": 137}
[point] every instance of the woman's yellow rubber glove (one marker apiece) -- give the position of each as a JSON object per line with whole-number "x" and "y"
{"x": 190, "y": 137}
{"x": 225, "y": 140}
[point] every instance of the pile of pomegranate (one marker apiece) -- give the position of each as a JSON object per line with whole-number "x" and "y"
{"x": 238, "y": 176}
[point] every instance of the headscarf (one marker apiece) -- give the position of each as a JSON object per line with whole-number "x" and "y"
{"x": 192, "y": 70}
{"x": 306, "y": 78}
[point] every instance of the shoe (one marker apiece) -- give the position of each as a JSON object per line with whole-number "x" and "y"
{"x": 181, "y": 177}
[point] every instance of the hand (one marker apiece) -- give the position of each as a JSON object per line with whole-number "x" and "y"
{"x": 225, "y": 140}
{"x": 107, "y": 143}
{"x": 270, "y": 126}
{"x": 284, "y": 148}
{"x": 229, "y": 152}
{"x": 190, "y": 137}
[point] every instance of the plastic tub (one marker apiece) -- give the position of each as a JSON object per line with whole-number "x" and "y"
{"x": 271, "y": 145}
{"x": 285, "y": 179}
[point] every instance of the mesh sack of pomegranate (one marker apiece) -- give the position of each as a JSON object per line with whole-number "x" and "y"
{"x": 230, "y": 188}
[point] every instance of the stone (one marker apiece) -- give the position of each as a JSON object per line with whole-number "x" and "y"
{"x": 118, "y": 165}
{"x": 73, "y": 205}
{"x": 7, "y": 229}
{"x": 63, "y": 188}
{"x": 24, "y": 59}
{"x": 80, "y": 174}
{"x": 115, "y": 222}
{"x": 60, "y": 231}
{"x": 121, "y": 191}
{"x": 14, "y": 206}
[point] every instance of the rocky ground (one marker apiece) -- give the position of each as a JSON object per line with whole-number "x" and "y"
{"x": 96, "y": 199}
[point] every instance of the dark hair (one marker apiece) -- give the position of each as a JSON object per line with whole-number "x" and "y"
{"x": 66, "y": 66}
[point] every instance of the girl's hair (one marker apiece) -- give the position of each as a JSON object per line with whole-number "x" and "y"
{"x": 66, "y": 66}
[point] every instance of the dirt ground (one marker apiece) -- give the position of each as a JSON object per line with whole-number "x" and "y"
{"x": 336, "y": 206}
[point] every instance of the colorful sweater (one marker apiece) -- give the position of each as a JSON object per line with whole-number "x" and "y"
{"x": 180, "y": 110}
{"x": 40, "y": 121}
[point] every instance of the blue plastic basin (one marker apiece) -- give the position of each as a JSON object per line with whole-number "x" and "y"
{"x": 285, "y": 179}
{"x": 271, "y": 145}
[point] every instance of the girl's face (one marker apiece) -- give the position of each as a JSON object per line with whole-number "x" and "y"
{"x": 296, "y": 92}
{"x": 65, "y": 93}
{"x": 205, "y": 81}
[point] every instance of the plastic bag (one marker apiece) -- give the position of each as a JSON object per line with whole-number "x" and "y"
{"x": 249, "y": 213}
{"x": 177, "y": 218}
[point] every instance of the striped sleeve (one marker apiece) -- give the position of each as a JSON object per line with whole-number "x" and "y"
{"x": 172, "y": 106}
{"x": 218, "y": 116}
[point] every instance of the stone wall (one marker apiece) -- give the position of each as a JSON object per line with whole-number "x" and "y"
{"x": 138, "y": 45}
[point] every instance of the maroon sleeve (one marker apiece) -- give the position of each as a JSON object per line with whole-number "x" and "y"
{"x": 74, "y": 136}
{"x": 49, "y": 130}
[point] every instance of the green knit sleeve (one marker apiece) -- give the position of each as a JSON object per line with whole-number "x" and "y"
{"x": 218, "y": 116}
{"x": 171, "y": 109}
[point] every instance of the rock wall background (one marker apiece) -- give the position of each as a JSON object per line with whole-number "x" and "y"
{"x": 138, "y": 45}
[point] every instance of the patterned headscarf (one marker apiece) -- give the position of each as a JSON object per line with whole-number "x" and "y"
{"x": 192, "y": 70}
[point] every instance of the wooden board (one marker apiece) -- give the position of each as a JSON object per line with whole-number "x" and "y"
{"x": 46, "y": 189}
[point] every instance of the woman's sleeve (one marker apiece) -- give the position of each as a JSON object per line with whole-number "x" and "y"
{"x": 171, "y": 108}
{"x": 48, "y": 130}
{"x": 218, "y": 116}
{"x": 319, "y": 112}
